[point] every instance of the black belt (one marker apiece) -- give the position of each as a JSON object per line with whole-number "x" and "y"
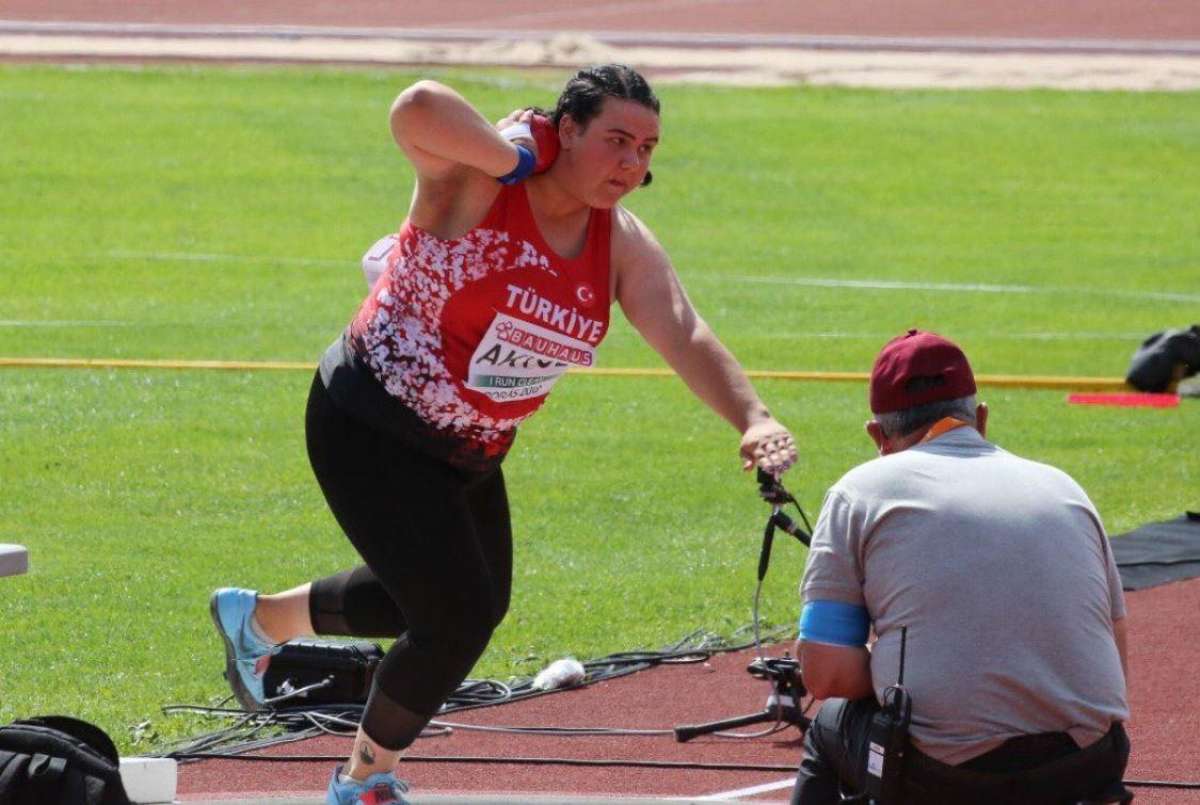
{"x": 1027, "y": 770}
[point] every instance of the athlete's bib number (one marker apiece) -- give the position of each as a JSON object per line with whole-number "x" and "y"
{"x": 516, "y": 360}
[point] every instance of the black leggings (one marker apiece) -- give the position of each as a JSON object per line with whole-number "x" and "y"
{"x": 437, "y": 543}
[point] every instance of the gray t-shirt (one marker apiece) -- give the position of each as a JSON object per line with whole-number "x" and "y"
{"x": 1000, "y": 569}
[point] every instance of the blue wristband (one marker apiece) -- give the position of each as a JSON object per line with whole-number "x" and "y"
{"x": 525, "y": 164}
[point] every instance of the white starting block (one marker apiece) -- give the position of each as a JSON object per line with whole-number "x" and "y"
{"x": 14, "y": 560}
{"x": 150, "y": 779}
{"x": 146, "y": 780}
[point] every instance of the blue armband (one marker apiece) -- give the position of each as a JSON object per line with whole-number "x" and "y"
{"x": 526, "y": 162}
{"x": 836, "y": 623}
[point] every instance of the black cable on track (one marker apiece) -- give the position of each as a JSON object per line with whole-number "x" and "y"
{"x": 253, "y": 730}
{"x": 488, "y": 759}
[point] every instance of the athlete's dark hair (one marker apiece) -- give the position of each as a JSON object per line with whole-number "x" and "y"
{"x": 583, "y": 95}
{"x": 585, "y": 92}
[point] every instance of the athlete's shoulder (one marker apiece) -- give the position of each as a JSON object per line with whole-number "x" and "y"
{"x": 626, "y": 222}
{"x": 631, "y": 238}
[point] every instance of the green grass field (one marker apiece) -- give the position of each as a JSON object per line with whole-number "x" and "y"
{"x": 220, "y": 214}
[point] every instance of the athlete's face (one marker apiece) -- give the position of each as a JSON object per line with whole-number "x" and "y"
{"x": 610, "y": 156}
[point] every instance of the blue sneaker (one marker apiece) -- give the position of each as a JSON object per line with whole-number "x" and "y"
{"x": 381, "y": 788}
{"x": 246, "y": 653}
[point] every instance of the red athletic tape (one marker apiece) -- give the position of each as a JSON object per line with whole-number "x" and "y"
{"x": 1126, "y": 400}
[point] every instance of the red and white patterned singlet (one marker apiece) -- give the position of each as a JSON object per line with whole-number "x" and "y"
{"x": 472, "y": 333}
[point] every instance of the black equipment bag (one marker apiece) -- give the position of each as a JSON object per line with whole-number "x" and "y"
{"x": 335, "y": 672}
{"x": 1164, "y": 359}
{"x": 58, "y": 760}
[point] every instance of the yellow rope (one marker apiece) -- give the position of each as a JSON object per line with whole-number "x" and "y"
{"x": 1000, "y": 381}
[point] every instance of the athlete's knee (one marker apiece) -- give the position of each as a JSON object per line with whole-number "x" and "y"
{"x": 463, "y": 648}
{"x": 438, "y": 650}
{"x": 457, "y": 640}
{"x": 420, "y": 671}
{"x": 471, "y": 613}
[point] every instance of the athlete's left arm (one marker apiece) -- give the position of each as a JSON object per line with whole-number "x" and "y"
{"x": 656, "y": 304}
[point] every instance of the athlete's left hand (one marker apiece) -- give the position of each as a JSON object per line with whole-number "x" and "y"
{"x": 514, "y": 118}
{"x": 542, "y": 139}
{"x": 767, "y": 444}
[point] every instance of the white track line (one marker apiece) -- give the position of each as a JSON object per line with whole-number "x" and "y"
{"x": 779, "y": 785}
{"x": 627, "y": 38}
{"x": 814, "y": 282}
{"x": 61, "y": 323}
{"x": 206, "y": 257}
{"x": 201, "y": 257}
{"x": 967, "y": 287}
{"x": 819, "y": 282}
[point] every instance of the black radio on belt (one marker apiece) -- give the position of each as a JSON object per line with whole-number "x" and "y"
{"x": 888, "y": 738}
{"x": 317, "y": 672}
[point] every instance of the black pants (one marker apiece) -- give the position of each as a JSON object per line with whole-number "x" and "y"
{"x": 437, "y": 544}
{"x": 1029, "y": 770}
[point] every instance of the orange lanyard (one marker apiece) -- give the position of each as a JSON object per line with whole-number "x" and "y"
{"x": 944, "y": 425}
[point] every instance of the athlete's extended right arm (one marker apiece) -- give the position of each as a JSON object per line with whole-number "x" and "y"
{"x": 439, "y": 131}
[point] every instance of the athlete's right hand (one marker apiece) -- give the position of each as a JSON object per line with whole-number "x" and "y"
{"x": 768, "y": 445}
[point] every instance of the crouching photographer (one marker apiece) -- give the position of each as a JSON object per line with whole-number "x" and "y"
{"x": 997, "y": 572}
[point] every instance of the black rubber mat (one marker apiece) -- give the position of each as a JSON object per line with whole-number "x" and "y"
{"x": 1158, "y": 553}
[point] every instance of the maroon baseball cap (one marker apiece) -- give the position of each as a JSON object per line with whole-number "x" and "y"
{"x": 918, "y": 368}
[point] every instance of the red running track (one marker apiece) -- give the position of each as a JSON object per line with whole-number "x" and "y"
{"x": 1164, "y": 696}
{"x": 1060, "y": 19}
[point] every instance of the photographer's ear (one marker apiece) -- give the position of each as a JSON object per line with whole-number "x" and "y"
{"x": 875, "y": 431}
{"x": 981, "y": 414}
